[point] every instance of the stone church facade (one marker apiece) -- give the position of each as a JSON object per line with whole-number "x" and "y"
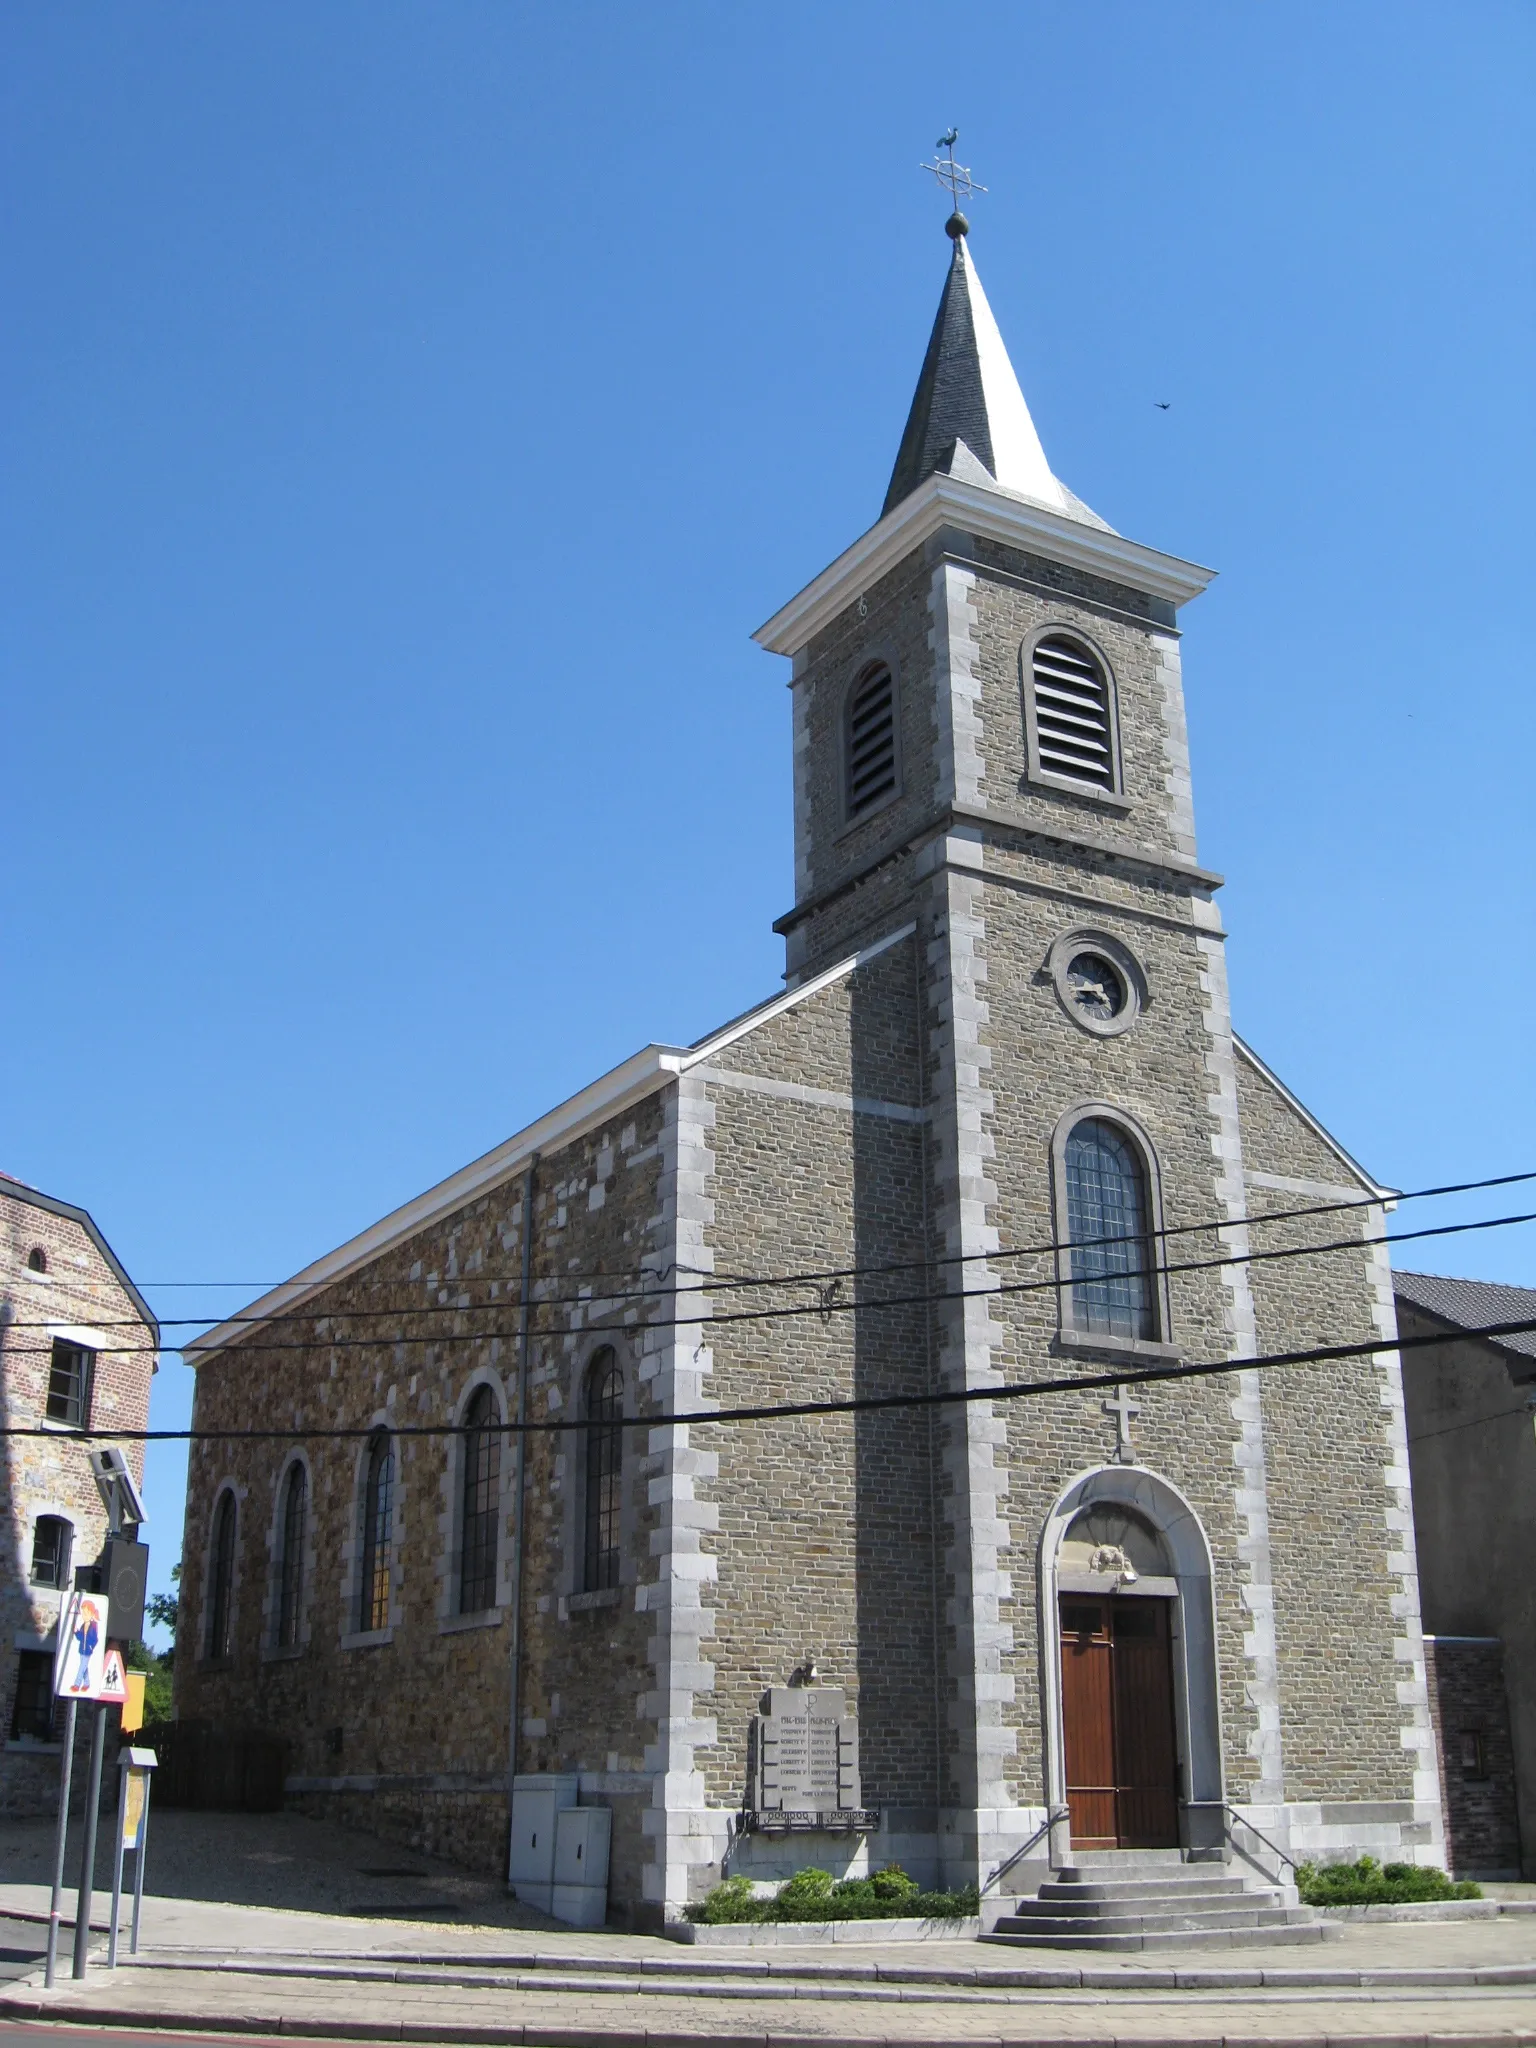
{"x": 996, "y": 1130}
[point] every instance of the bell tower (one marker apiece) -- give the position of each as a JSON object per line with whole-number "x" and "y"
{"x": 989, "y": 745}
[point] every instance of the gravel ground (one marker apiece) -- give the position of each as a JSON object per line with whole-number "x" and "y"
{"x": 278, "y": 1859}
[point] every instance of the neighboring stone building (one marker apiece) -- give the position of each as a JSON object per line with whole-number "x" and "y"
{"x": 77, "y": 1348}
{"x": 1471, "y": 1407}
{"x": 1051, "y": 1621}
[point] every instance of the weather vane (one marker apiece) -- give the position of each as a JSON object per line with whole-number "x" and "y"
{"x": 956, "y": 179}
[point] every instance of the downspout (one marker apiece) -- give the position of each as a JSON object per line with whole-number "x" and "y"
{"x": 519, "y": 1487}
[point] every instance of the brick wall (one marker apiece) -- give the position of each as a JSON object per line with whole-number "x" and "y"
{"x": 48, "y": 1475}
{"x": 1477, "y": 1762}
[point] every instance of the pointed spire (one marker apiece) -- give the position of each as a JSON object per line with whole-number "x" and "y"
{"x": 968, "y": 416}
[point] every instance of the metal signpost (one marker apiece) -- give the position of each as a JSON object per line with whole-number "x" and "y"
{"x": 134, "y": 1766}
{"x": 86, "y": 1666}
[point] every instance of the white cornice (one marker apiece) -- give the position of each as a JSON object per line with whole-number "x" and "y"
{"x": 639, "y": 1076}
{"x": 995, "y": 515}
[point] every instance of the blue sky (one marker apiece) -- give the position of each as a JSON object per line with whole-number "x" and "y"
{"x": 411, "y": 410}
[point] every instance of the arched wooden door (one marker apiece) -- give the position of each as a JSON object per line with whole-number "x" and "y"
{"x": 1118, "y": 1722}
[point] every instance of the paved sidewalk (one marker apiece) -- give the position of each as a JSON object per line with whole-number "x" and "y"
{"x": 1375, "y": 1985}
{"x": 210, "y": 2002}
{"x": 269, "y": 1924}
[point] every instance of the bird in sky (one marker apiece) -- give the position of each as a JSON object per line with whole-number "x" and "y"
{"x": 1162, "y": 404}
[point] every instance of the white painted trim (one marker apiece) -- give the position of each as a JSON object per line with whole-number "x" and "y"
{"x": 818, "y": 1098}
{"x": 639, "y": 1076}
{"x": 1288, "y": 1184}
{"x": 995, "y": 515}
{"x": 839, "y": 971}
{"x": 82, "y": 1333}
{"x": 1371, "y": 1187}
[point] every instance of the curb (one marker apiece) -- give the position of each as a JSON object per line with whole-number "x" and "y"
{"x": 630, "y": 2037}
{"x": 827, "y": 1981}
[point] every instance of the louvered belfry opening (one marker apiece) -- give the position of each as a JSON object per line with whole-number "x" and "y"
{"x": 871, "y": 739}
{"x": 1072, "y": 714}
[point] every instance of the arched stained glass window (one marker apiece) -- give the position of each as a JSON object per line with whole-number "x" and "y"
{"x": 604, "y": 1471}
{"x": 221, "y": 1577}
{"x": 1109, "y": 1233}
{"x": 480, "y": 1504}
{"x": 291, "y": 1530}
{"x": 378, "y": 1535}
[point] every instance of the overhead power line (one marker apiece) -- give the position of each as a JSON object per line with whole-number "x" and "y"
{"x": 858, "y": 1404}
{"x": 827, "y": 1308}
{"x": 715, "y": 1284}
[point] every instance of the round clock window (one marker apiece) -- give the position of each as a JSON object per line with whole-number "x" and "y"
{"x": 1099, "y": 982}
{"x": 1097, "y": 988}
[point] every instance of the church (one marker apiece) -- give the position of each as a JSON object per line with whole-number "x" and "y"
{"x": 996, "y": 1134}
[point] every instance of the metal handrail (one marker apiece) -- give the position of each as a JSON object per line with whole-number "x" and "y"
{"x": 1053, "y": 1814}
{"x": 1242, "y": 1820}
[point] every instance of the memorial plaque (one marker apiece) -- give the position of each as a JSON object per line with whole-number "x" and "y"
{"x": 807, "y": 1752}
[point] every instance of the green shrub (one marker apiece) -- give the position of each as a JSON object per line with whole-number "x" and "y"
{"x": 1369, "y": 1883}
{"x": 807, "y": 1896}
{"x": 728, "y": 1905}
{"x": 816, "y": 1895}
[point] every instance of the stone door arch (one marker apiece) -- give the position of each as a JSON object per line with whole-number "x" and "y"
{"x": 1156, "y": 1503}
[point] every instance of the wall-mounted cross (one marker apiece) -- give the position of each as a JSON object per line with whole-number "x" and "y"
{"x": 1123, "y": 1408}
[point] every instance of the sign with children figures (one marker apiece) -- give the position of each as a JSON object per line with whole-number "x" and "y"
{"x": 80, "y": 1661}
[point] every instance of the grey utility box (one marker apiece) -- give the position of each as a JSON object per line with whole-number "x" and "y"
{"x": 536, "y": 1803}
{"x": 582, "y": 1835}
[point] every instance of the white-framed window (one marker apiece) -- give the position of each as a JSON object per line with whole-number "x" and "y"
{"x": 71, "y": 1375}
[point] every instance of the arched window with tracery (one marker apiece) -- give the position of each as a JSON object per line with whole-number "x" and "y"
{"x": 377, "y": 1547}
{"x": 292, "y": 1521}
{"x": 221, "y": 1577}
{"x": 1109, "y": 1233}
{"x": 480, "y": 1502}
{"x": 604, "y": 1471}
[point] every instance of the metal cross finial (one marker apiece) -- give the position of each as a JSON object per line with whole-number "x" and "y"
{"x": 1123, "y": 1408}
{"x": 956, "y": 179}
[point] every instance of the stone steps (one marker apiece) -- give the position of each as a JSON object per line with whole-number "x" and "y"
{"x": 1130, "y": 1905}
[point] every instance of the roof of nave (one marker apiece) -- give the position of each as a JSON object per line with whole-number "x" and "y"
{"x": 17, "y": 1191}
{"x": 636, "y": 1078}
{"x": 1471, "y": 1305}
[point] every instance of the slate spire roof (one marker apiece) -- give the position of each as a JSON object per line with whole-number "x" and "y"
{"x": 968, "y": 416}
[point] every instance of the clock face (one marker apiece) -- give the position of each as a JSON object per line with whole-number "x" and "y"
{"x": 1097, "y": 989}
